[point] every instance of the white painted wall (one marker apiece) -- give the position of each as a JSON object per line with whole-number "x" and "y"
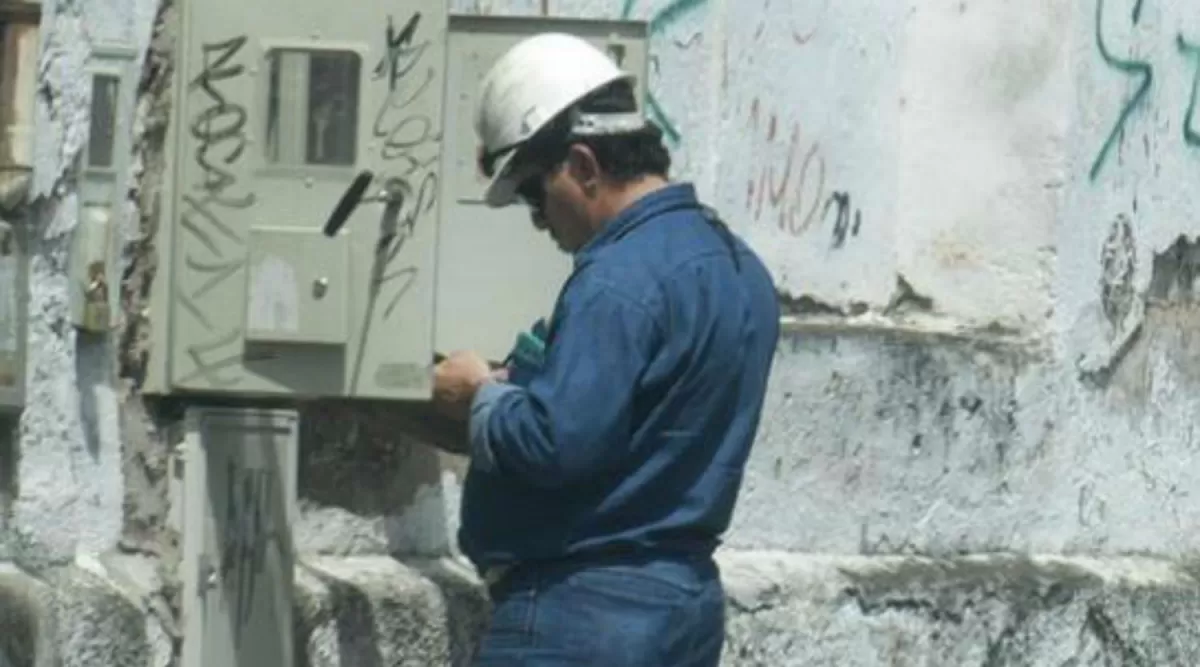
{"x": 962, "y": 133}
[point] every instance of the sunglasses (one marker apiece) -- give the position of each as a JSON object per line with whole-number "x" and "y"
{"x": 531, "y": 172}
{"x": 486, "y": 160}
{"x": 532, "y": 190}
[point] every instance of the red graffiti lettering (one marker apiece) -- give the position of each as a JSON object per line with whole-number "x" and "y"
{"x": 792, "y": 187}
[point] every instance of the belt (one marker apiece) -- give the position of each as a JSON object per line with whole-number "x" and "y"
{"x": 494, "y": 574}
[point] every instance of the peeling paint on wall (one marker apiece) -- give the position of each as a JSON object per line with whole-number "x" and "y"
{"x": 1174, "y": 273}
{"x": 146, "y": 429}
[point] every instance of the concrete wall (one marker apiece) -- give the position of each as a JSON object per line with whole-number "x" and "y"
{"x": 980, "y": 215}
{"x": 70, "y": 487}
{"x": 972, "y": 364}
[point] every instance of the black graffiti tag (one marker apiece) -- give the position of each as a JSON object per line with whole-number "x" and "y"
{"x": 410, "y": 147}
{"x": 248, "y": 531}
{"x": 403, "y": 132}
{"x": 1191, "y": 134}
{"x": 222, "y": 123}
{"x": 842, "y": 225}
{"x": 219, "y": 130}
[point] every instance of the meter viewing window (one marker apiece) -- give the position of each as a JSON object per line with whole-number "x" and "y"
{"x": 101, "y": 137}
{"x": 312, "y": 107}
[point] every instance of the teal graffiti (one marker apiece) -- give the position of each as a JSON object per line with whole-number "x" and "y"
{"x": 1129, "y": 67}
{"x": 671, "y": 13}
{"x": 665, "y": 16}
{"x": 660, "y": 21}
{"x": 1190, "y": 134}
{"x": 670, "y": 131}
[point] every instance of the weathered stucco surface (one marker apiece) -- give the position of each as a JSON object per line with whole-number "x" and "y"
{"x": 783, "y": 610}
{"x": 981, "y": 219}
{"x": 69, "y": 479}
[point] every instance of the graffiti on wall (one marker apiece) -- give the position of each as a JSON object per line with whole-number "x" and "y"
{"x": 800, "y": 33}
{"x": 1191, "y": 124}
{"x": 848, "y": 220}
{"x": 673, "y": 11}
{"x": 1143, "y": 73}
{"x": 659, "y": 22}
{"x": 793, "y": 189}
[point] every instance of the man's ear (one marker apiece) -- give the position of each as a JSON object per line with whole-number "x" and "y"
{"x": 583, "y": 167}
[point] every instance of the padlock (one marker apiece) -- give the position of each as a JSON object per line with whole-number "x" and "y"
{"x": 95, "y": 317}
{"x": 95, "y": 303}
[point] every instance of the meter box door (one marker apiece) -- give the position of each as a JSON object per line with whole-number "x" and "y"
{"x": 280, "y": 105}
{"x": 238, "y": 559}
{"x": 497, "y": 274}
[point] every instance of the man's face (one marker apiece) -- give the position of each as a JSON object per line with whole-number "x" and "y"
{"x": 561, "y": 203}
{"x": 558, "y": 206}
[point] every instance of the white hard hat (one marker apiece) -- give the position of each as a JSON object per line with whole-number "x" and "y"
{"x": 529, "y": 85}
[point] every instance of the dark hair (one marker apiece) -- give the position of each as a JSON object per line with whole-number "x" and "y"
{"x": 622, "y": 157}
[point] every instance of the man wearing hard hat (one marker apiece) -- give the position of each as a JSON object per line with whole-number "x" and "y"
{"x": 606, "y": 461}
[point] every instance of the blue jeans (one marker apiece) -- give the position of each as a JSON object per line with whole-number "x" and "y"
{"x": 667, "y": 612}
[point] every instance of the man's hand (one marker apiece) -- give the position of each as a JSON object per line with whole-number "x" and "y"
{"x": 455, "y": 381}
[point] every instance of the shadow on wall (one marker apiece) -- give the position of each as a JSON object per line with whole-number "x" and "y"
{"x": 1134, "y": 323}
{"x": 94, "y": 370}
{"x": 8, "y": 470}
{"x": 1166, "y": 329}
{"x": 357, "y": 638}
{"x": 357, "y": 458}
{"x": 19, "y": 618}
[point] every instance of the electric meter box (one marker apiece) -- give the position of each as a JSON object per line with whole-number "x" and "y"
{"x": 284, "y": 112}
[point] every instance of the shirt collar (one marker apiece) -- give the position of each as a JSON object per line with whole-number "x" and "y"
{"x": 672, "y": 197}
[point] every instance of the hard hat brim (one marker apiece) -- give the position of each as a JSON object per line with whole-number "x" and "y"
{"x": 502, "y": 190}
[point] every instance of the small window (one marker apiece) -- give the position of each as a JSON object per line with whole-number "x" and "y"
{"x": 312, "y": 107}
{"x": 101, "y": 137}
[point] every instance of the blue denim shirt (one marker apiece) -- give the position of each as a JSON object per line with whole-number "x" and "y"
{"x": 636, "y": 429}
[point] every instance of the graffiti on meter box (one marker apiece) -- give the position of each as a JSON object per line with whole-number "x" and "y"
{"x": 219, "y": 129}
{"x": 411, "y": 144}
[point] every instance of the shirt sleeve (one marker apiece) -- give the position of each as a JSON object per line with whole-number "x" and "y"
{"x": 574, "y": 419}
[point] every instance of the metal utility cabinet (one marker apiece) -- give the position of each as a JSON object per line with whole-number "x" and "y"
{"x": 279, "y": 107}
